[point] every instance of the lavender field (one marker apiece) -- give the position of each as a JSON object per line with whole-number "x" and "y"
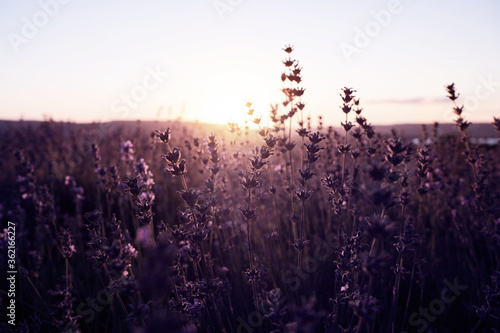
{"x": 300, "y": 226}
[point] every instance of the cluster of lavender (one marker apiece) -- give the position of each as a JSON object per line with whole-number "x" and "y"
{"x": 108, "y": 179}
{"x": 25, "y": 177}
{"x": 110, "y": 250}
{"x": 191, "y": 289}
{"x": 140, "y": 188}
{"x": 39, "y": 200}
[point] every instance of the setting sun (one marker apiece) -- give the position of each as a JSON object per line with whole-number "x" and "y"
{"x": 225, "y": 99}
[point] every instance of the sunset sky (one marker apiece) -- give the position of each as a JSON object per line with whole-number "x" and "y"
{"x": 203, "y": 60}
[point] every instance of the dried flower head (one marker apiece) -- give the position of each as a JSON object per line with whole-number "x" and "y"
{"x": 164, "y": 136}
{"x": 452, "y": 95}
{"x": 288, "y": 48}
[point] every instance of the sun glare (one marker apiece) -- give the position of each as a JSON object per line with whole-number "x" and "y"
{"x": 225, "y": 101}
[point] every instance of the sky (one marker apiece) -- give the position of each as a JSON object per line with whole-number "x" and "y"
{"x": 83, "y": 61}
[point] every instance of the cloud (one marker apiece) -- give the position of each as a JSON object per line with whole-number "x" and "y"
{"x": 417, "y": 100}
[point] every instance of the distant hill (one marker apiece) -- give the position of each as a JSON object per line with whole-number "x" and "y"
{"x": 479, "y": 130}
{"x": 410, "y": 131}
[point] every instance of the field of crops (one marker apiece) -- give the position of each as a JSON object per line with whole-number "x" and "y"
{"x": 172, "y": 227}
